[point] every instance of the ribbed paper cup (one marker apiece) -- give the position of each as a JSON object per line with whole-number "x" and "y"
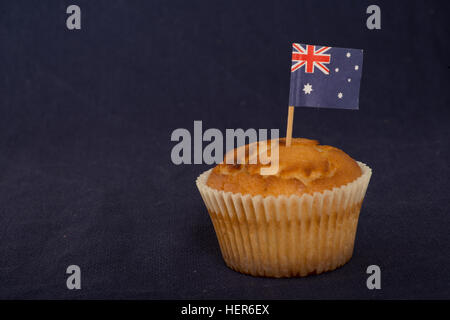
{"x": 286, "y": 236}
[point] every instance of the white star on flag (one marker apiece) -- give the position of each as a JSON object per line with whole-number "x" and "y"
{"x": 340, "y": 95}
{"x": 307, "y": 88}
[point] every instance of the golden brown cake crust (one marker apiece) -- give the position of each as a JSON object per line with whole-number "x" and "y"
{"x": 304, "y": 167}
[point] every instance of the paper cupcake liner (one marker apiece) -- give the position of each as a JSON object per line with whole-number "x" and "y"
{"x": 286, "y": 236}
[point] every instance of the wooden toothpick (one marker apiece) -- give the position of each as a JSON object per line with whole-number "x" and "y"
{"x": 289, "y": 126}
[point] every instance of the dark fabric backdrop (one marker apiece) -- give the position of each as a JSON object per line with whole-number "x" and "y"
{"x": 85, "y": 124}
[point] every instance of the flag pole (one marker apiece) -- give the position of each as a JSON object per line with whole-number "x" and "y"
{"x": 289, "y": 126}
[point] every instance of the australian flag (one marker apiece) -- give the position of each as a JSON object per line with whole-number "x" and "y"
{"x": 325, "y": 77}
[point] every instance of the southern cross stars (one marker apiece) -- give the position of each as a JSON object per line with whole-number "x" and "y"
{"x": 307, "y": 88}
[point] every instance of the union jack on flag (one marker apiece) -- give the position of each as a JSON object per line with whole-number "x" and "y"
{"x": 310, "y": 58}
{"x": 323, "y": 76}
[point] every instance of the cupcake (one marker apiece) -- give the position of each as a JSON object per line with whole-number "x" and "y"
{"x": 300, "y": 220}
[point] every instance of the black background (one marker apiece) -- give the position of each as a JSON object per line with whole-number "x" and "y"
{"x": 86, "y": 117}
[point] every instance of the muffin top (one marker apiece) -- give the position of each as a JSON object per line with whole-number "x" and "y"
{"x": 304, "y": 167}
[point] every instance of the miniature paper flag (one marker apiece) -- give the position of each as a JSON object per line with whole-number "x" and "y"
{"x": 325, "y": 77}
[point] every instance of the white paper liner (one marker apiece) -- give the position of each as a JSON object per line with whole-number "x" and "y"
{"x": 286, "y": 236}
